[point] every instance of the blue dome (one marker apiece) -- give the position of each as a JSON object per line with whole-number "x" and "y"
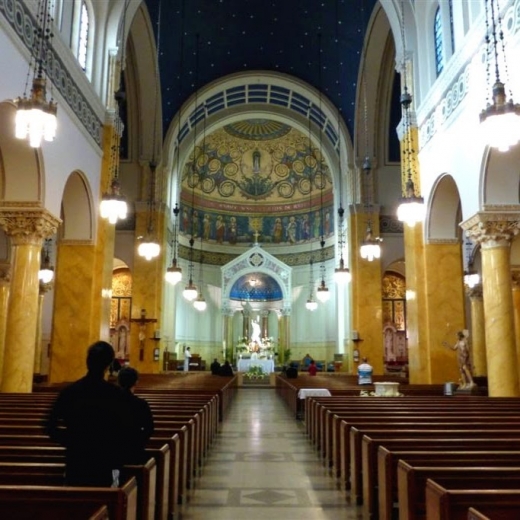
{"x": 257, "y": 287}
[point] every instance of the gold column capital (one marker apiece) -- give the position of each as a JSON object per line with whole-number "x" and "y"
{"x": 474, "y": 293}
{"x": 28, "y": 226}
{"x": 492, "y": 229}
{"x": 515, "y": 279}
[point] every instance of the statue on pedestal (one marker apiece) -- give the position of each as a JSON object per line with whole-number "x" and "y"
{"x": 462, "y": 348}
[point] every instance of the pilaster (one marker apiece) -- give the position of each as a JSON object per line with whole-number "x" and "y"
{"x": 478, "y": 332}
{"x": 5, "y": 279}
{"x": 366, "y": 290}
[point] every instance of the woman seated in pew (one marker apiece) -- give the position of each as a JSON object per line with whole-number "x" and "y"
{"x": 139, "y": 423}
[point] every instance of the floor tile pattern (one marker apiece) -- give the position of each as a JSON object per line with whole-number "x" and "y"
{"x": 262, "y": 466}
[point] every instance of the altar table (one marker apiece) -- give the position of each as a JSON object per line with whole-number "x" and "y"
{"x": 267, "y": 365}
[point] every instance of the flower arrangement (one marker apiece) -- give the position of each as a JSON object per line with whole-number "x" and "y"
{"x": 255, "y": 372}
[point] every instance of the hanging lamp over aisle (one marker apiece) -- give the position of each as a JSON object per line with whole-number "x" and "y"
{"x": 35, "y": 116}
{"x": 174, "y": 273}
{"x": 311, "y": 304}
{"x": 411, "y": 209}
{"x": 46, "y": 272}
{"x": 149, "y": 246}
{"x": 500, "y": 120}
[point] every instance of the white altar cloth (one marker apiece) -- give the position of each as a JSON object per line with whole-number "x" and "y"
{"x": 266, "y": 364}
{"x": 313, "y": 392}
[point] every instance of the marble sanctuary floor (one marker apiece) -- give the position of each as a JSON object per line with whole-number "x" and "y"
{"x": 262, "y": 466}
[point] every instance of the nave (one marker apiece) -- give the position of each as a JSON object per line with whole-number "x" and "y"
{"x": 262, "y": 466}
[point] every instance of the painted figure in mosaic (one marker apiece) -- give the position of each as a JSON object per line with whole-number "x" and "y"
{"x": 291, "y": 230}
{"x": 206, "y": 225}
{"x": 220, "y": 229}
{"x": 232, "y": 237}
{"x": 277, "y": 231}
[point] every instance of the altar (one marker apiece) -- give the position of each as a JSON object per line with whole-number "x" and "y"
{"x": 267, "y": 365}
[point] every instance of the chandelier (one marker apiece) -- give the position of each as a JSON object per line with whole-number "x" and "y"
{"x": 46, "y": 272}
{"x": 500, "y": 120}
{"x": 113, "y": 205}
{"x": 311, "y": 304}
{"x": 174, "y": 273}
{"x": 190, "y": 291}
{"x": 341, "y": 274}
{"x": 411, "y": 209}
{"x": 35, "y": 116}
{"x": 370, "y": 248}
{"x": 471, "y": 276}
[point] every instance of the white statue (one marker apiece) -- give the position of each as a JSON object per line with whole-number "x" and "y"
{"x": 255, "y": 336}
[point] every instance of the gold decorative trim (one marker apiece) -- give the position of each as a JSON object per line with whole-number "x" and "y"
{"x": 27, "y": 226}
{"x": 442, "y": 241}
{"x": 75, "y": 242}
{"x": 492, "y": 229}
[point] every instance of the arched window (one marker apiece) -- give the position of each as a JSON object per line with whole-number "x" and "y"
{"x": 452, "y": 31}
{"x": 437, "y": 37}
{"x": 84, "y": 27}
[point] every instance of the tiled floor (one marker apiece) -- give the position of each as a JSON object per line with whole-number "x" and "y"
{"x": 262, "y": 466}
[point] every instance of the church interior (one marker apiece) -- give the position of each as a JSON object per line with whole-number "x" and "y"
{"x": 260, "y": 180}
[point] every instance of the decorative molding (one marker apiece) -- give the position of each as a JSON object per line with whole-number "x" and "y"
{"x": 491, "y": 229}
{"x": 442, "y": 241}
{"x": 22, "y": 21}
{"x": 388, "y": 224}
{"x": 76, "y": 242}
{"x": 28, "y": 226}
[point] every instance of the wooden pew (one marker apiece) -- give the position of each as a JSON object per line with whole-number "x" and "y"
{"x": 52, "y": 474}
{"x": 453, "y": 504}
{"x": 418, "y": 440}
{"x": 438, "y": 430}
{"x": 412, "y": 483}
{"x": 387, "y": 491}
{"x": 64, "y": 503}
{"x": 473, "y": 514}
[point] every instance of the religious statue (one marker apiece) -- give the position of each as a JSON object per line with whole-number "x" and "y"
{"x": 462, "y": 348}
{"x": 255, "y": 336}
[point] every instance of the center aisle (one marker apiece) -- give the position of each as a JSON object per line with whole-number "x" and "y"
{"x": 262, "y": 466}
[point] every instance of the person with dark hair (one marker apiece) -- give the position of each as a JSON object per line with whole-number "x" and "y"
{"x": 313, "y": 369}
{"x": 215, "y": 367}
{"x": 87, "y": 420}
{"x": 226, "y": 369}
{"x": 138, "y": 418}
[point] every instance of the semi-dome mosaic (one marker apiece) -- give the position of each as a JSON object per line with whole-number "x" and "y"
{"x": 256, "y": 179}
{"x": 264, "y": 289}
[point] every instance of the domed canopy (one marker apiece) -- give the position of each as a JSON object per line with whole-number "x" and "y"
{"x": 257, "y": 287}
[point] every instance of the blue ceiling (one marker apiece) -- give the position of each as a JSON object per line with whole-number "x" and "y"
{"x": 275, "y": 35}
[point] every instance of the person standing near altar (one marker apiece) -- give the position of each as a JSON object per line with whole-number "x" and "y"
{"x": 187, "y": 356}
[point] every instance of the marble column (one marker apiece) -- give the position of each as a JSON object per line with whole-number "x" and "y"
{"x": 44, "y": 288}
{"x": 5, "y": 277}
{"x": 27, "y": 228}
{"x": 494, "y": 232}
{"x": 478, "y": 333}
{"x": 284, "y": 338}
{"x": 264, "y": 324}
{"x": 227, "y": 334}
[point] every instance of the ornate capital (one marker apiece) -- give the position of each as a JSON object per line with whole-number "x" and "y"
{"x": 27, "y": 225}
{"x": 474, "y": 293}
{"x": 515, "y": 279}
{"x": 492, "y": 230}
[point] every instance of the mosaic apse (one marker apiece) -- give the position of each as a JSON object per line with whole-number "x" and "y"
{"x": 256, "y": 180}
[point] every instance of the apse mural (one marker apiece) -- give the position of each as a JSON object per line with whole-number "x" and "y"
{"x": 256, "y": 180}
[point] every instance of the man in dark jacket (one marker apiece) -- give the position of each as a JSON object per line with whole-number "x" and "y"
{"x": 215, "y": 367}
{"x": 138, "y": 418}
{"x": 87, "y": 418}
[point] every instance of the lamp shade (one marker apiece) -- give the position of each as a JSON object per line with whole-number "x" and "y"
{"x": 46, "y": 274}
{"x": 149, "y": 249}
{"x": 411, "y": 210}
{"x": 370, "y": 250}
{"x": 323, "y": 293}
{"x": 200, "y": 303}
{"x": 190, "y": 292}
{"x": 173, "y": 274}
{"x": 311, "y": 304}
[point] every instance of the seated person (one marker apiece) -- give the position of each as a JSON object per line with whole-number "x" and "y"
{"x": 215, "y": 367}
{"x": 313, "y": 369}
{"x": 226, "y": 369}
{"x": 138, "y": 419}
{"x": 307, "y": 361}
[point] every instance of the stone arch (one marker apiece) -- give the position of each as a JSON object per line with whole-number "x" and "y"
{"x": 77, "y": 209}
{"x": 500, "y": 185}
{"x": 444, "y": 213}
{"x": 21, "y": 167}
